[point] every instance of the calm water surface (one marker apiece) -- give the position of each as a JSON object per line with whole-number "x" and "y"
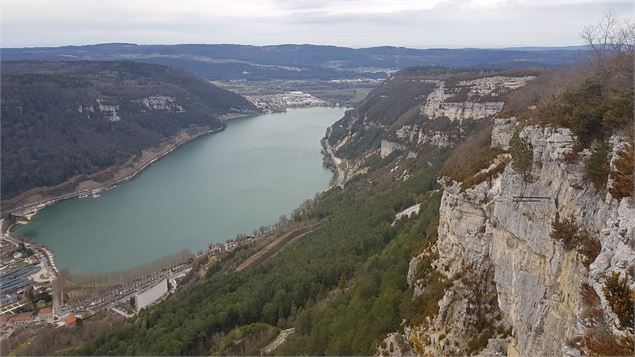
{"x": 206, "y": 191}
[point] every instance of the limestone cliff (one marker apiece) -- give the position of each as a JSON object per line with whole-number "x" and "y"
{"x": 416, "y": 112}
{"x": 508, "y": 282}
{"x": 498, "y": 281}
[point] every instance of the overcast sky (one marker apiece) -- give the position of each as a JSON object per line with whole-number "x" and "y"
{"x": 352, "y": 23}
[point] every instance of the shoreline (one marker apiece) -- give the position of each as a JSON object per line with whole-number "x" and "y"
{"x": 331, "y": 161}
{"x": 30, "y": 209}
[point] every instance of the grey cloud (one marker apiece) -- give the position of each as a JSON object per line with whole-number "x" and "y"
{"x": 448, "y": 24}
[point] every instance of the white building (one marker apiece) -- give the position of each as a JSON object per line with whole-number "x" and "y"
{"x": 151, "y": 295}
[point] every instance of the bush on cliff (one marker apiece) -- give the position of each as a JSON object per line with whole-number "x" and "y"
{"x": 597, "y": 165}
{"x": 522, "y": 154}
{"x": 622, "y": 175}
{"x": 565, "y": 231}
{"x": 621, "y": 299}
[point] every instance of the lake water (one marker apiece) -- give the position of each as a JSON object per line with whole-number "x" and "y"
{"x": 206, "y": 191}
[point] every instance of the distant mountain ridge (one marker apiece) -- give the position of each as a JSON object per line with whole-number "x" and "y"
{"x": 291, "y": 61}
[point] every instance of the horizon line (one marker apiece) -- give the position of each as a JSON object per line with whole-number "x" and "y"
{"x": 518, "y": 47}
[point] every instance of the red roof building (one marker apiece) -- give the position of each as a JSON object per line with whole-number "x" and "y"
{"x": 71, "y": 320}
{"x": 45, "y": 314}
{"x": 21, "y": 319}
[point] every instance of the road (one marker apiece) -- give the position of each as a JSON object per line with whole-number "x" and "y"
{"x": 273, "y": 247}
{"x": 111, "y": 298}
{"x": 45, "y": 256}
{"x": 339, "y": 175}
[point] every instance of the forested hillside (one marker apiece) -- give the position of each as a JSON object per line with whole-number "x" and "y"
{"x": 70, "y": 119}
{"x": 341, "y": 286}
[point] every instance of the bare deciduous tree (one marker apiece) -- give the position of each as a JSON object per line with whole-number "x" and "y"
{"x": 611, "y": 43}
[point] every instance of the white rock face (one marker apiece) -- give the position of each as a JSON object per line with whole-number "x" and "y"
{"x": 86, "y": 109}
{"x": 436, "y": 107}
{"x": 109, "y": 110}
{"x": 437, "y": 104}
{"x": 418, "y": 136}
{"x": 394, "y": 345}
{"x": 494, "y": 229}
{"x": 407, "y": 212}
{"x": 161, "y": 103}
{"x": 387, "y": 147}
{"x": 502, "y": 132}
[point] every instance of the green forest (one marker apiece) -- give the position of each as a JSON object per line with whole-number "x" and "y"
{"x": 53, "y": 128}
{"x": 342, "y": 286}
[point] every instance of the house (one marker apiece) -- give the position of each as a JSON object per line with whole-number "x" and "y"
{"x": 45, "y": 314}
{"x": 24, "y": 318}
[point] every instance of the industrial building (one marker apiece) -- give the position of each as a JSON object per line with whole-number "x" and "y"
{"x": 17, "y": 280}
{"x": 151, "y": 295}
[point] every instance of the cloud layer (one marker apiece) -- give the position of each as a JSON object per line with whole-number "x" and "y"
{"x": 352, "y": 23}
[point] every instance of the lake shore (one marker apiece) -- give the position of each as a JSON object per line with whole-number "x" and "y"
{"x": 29, "y": 210}
{"x": 196, "y": 172}
{"x": 28, "y": 203}
{"x": 332, "y": 162}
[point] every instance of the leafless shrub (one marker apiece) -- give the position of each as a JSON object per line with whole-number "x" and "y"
{"x": 611, "y": 45}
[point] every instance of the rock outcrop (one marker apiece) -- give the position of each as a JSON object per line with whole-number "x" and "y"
{"x": 495, "y": 248}
{"x": 502, "y": 132}
{"x": 161, "y": 103}
{"x": 437, "y": 116}
{"x": 110, "y": 110}
{"x": 478, "y": 98}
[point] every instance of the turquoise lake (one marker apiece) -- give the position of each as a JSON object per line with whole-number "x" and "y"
{"x": 204, "y": 192}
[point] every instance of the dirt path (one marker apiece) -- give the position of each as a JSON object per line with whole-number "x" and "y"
{"x": 273, "y": 247}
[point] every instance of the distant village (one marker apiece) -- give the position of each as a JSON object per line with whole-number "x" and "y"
{"x": 277, "y": 103}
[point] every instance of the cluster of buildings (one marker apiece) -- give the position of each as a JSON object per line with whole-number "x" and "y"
{"x": 222, "y": 248}
{"x": 21, "y": 269}
{"x": 26, "y": 275}
{"x": 25, "y": 287}
{"x": 42, "y": 316}
{"x": 277, "y": 103}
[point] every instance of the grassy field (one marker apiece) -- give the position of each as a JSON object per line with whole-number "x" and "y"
{"x": 361, "y": 94}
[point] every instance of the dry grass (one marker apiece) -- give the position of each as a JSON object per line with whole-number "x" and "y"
{"x": 427, "y": 303}
{"x": 547, "y": 84}
{"x": 589, "y": 297}
{"x": 471, "y": 156}
{"x": 622, "y": 175}
{"x": 601, "y": 342}
{"x": 485, "y": 175}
